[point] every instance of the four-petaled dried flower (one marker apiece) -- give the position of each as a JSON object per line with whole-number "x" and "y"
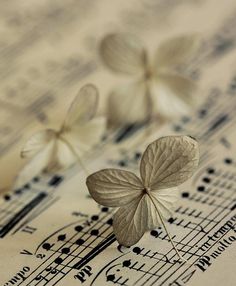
{"x": 145, "y": 203}
{"x": 158, "y": 90}
{"x": 52, "y": 150}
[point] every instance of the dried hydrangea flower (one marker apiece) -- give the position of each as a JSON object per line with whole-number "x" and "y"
{"x": 58, "y": 149}
{"x": 157, "y": 89}
{"x": 145, "y": 203}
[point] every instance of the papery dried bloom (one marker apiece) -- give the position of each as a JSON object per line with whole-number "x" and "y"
{"x": 145, "y": 203}
{"x": 52, "y": 150}
{"x": 157, "y": 89}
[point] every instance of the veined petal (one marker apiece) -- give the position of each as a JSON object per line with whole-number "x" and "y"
{"x": 113, "y": 187}
{"x": 130, "y": 221}
{"x": 123, "y": 53}
{"x": 129, "y": 104}
{"x": 83, "y": 107}
{"x": 176, "y": 51}
{"x": 37, "y": 142}
{"x": 152, "y": 217}
{"x": 160, "y": 203}
{"x": 173, "y": 95}
{"x": 165, "y": 200}
{"x": 169, "y": 161}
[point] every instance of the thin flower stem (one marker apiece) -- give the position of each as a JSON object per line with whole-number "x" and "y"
{"x": 71, "y": 147}
{"x": 163, "y": 223}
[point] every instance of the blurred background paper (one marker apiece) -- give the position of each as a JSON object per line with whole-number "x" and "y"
{"x": 48, "y": 49}
{"x": 51, "y": 232}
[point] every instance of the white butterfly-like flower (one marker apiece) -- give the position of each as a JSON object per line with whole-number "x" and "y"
{"x": 145, "y": 203}
{"x": 157, "y": 90}
{"x": 58, "y": 149}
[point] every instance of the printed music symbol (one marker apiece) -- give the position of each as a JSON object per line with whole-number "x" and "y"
{"x": 41, "y": 278}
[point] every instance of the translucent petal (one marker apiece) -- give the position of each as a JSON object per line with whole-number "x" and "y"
{"x": 169, "y": 161}
{"x": 129, "y": 104}
{"x": 152, "y": 217}
{"x": 61, "y": 157}
{"x": 35, "y": 166}
{"x": 165, "y": 200}
{"x": 85, "y": 136}
{"x": 123, "y": 53}
{"x": 176, "y": 51}
{"x": 130, "y": 221}
{"x": 83, "y": 107}
{"x": 173, "y": 96}
{"x": 37, "y": 142}
{"x": 112, "y": 187}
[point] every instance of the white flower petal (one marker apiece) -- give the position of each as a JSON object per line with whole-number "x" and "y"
{"x": 165, "y": 200}
{"x": 130, "y": 221}
{"x": 35, "y": 166}
{"x": 85, "y": 136}
{"x": 37, "y": 142}
{"x": 173, "y": 96}
{"x": 176, "y": 51}
{"x": 83, "y": 107}
{"x": 123, "y": 53}
{"x": 169, "y": 161}
{"x": 152, "y": 219}
{"x": 62, "y": 156}
{"x": 129, "y": 104}
{"x": 112, "y": 187}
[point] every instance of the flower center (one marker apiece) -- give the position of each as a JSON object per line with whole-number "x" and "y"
{"x": 148, "y": 74}
{"x": 146, "y": 190}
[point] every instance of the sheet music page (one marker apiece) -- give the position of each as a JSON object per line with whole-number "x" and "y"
{"x": 51, "y": 231}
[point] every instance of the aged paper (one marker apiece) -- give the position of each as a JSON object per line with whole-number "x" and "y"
{"x": 48, "y": 50}
{"x": 51, "y": 231}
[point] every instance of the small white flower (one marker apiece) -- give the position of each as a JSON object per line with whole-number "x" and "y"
{"x": 52, "y": 150}
{"x": 157, "y": 89}
{"x": 145, "y": 203}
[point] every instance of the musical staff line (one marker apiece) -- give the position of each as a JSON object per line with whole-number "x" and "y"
{"x": 212, "y": 245}
{"x": 83, "y": 242}
{"x": 195, "y": 242}
{"x": 194, "y": 237}
{"x": 102, "y": 246}
{"x": 22, "y": 213}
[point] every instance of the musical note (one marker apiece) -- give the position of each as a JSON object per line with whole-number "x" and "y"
{"x": 69, "y": 238}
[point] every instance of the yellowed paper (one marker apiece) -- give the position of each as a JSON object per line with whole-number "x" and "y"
{"x": 51, "y": 232}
